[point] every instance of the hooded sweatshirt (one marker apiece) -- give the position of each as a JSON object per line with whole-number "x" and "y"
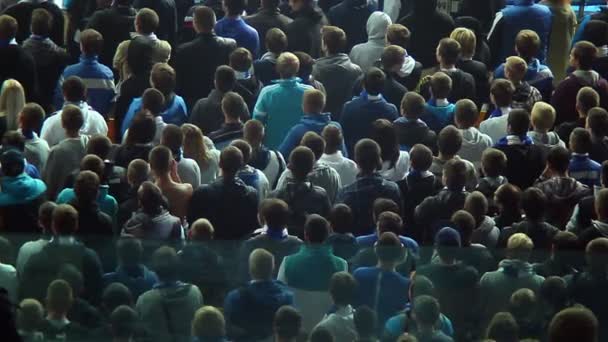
{"x": 563, "y": 193}
{"x": 473, "y": 144}
{"x": 20, "y": 190}
{"x": 538, "y": 75}
{"x": 525, "y": 96}
{"x": 339, "y": 76}
{"x": 549, "y": 139}
{"x": 308, "y": 123}
{"x": 366, "y": 54}
{"x": 163, "y": 226}
{"x": 52, "y": 131}
{"x": 321, "y": 175}
{"x": 487, "y": 233}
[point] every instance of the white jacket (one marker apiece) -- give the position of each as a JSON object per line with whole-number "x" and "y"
{"x": 495, "y": 128}
{"x": 473, "y": 144}
{"x": 94, "y": 123}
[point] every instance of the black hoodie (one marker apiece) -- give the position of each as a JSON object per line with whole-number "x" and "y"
{"x": 304, "y": 32}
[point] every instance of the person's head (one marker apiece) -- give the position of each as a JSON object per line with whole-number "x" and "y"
{"x": 421, "y": 158}
{"x": 315, "y": 142}
{"x": 8, "y": 27}
{"x": 389, "y": 250}
{"x": 580, "y": 141}
{"x": 194, "y": 144}
{"x": 115, "y": 295}
{"x": 241, "y": 60}
{"x": 342, "y": 288}
{"x": 519, "y": 247}
{"x": 476, "y": 204}
{"x": 254, "y": 132}
{"x": 448, "y": 52}
{"x": 234, "y": 8}
{"x": 564, "y": 244}
{"x": 86, "y": 187}
{"x": 341, "y": 219}
{"x": 574, "y": 324}
{"x": 91, "y": 42}
{"x": 208, "y": 323}
{"x": 203, "y": 19}
{"x": 91, "y": 162}
{"x": 508, "y": 197}
{"x": 464, "y": 223}
{"x": 321, "y": 334}
{"x": 447, "y": 243}
{"x": 601, "y": 205}
{"x": 12, "y": 161}
{"x": 172, "y": 137}
{"x": 382, "y": 205}
{"x": 225, "y": 79}
{"x": 129, "y": 251}
{"x": 165, "y": 263}
{"x": 233, "y": 107}
{"x": 231, "y": 161}
{"x": 367, "y": 156}
{"x": 449, "y": 141}
{"x": 316, "y": 229}
{"x": 45, "y": 216}
{"x": 392, "y": 58}
{"x": 160, "y": 160}
{"x": 558, "y": 160}
{"x": 41, "y": 22}
{"x": 150, "y": 198}
{"x": 74, "y": 89}
{"x": 466, "y": 114}
{"x": 412, "y": 105}
{"x": 527, "y": 44}
{"x": 287, "y": 320}
{"x": 244, "y": 147}
{"x": 146, "y": 21}
{"x": 288, "y": 65}
{"x": 365, "y": 320}
{"x": 153, "y": 101}
{"x": 523, "y": 304}
{"x": 554, "y": 293}
{"x": 503, "y": 328}
{"x": 274, "y": 213}
{"x": 399, "y": 35}
{"x": 301, "y": 162}
{"x": 162, "y": 77}
{"x": 59, "y": 298}
{"x": 441, "y": 85}
{"x": 534, "y": 204}
{"x": 30, "y": 315}
{"x": 583, "y": 55}
{"x": 518, "y": 122}
{"x": 276, "y": 41}
{"x": 420, "y": 286}
{"x": 138, "y": 172}
{"x": 123, "y": 323}
{"x": 515, "y": 69}
{"x": 596, "y": 32}
{"x": 543, "y": 117}
{"x": 334, "y": 40}
{"x": 333, "y": 137}
{"x": 261, "y": 264}
{"x": 501, "y": 93}
{"x": 73, "y": 276}
{"x": 99, "y": 146}
{"x": 597, "y": 122}
{"x": 313, "y": 101}
{"x": 201, "y": 230}
{"x": 142, "y": 129}
{"x": 389, "y": 221}
{"x": 31, "y": 117}
{"x": 454, "y": 174}
{"x": 586, "y": 98}
{"x": 65, "y": 220}
{"x": 467, "y": 40}
{"x": 425, "y": 311}
{"x": 306, "y": 65}
{"x": 384, "y": 133}
{"x": 373, "y": 82}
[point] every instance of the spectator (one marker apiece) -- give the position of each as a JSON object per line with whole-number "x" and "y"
{"x": 304, "y": 32}
{"x": 275, "y": 42}
{"x": 200, "y": 149}
{"x": 365, "y": 55}
{"x": 250, "y": 175}
{"x": 493, "y": 166}
{"x": 208, "y": 324}
{"x": 562, "y": 262}
{"x": 468, "y": 43}
{"x": 29, "y": 319}
{"x": 473, "y": 141}
{"x": 59, "y": 300}
{"x": 581, "y": 167}
{"x": 439, "y": 112}
{"x": 271, "y": 162}
{"x": 15, "y": 140}
{"x": 152, "y": 101}
{"x": 234, "y": 108}
{"x": 81, "y": 312}
{"x": 287, "y": 324}
{"x": 525, "y": 95}
{"x": 426, "y": 314}
{"x": 366, "y": 322}
{"x": 411, "y": 130}
{"x": 16, "y": 63}
{"x": 411, "y": 70}
{"x": 597, "y": 123}
{"x": 188, "y": 171}
{"x": 449, "y": 142}
{"x": 542, "y": 120}
{"x": 12, "y": 102}
{"x": 340, "y": 323}
{"x": 503, "y": 327}
{"x": 196, "y": 83}
{"x": 334, "y": 157}
{"x": 45, "y": 217}
{"x": 553, "y": 295}
{"x": 524, "y": 306}
{"x": 596, "y": 230}
{"x": 391, "y": 61}
{"x": 586, "y": 99}
{"x": 124, "y": 322}
{"x": 115, "y": 24}
{"x": 594, "y": 32}
{"x": 139, "y": 141}
{"x": 219, "y": 200}
{"x": 305, "y": 73}
{"x": 508, "y": 202}
{"x": 359, "y": 114}
{"x": 501, "y": 95}
{"x": 166, "y": 310}
{"x": 563, "y": 26}
{"x": 267, "y": 18}
{"x": 75, "y": 94}
{"x": 233, "y": 26}
{"x": 341, "y": 238}
{"x": 167, "y": 11}
{"x": 250, "y": 311}
{"x": 395, "y": 163}
{"x": 164, "y": 169}
{"x": 352, "y": 17}
{"x": 23, "y": 14}
{"x": 577, "y": 318}
{"x": 485, "y": 233}
{"x": 247, "y": 83}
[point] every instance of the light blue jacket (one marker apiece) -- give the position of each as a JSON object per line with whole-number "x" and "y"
{"x": 20, "y": 190}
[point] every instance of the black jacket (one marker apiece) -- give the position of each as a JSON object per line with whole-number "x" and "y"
{"x": 304, "y": 32}
{"x": 393, "y": 90}
{"x": 265, "y": 19}
{"x": 218, "y": 202}
{"x": 167, "y": 13}
{"x": 435, "y": 211}
{"x": 412, "y": 132}
{"x": 133, "y": 87}
{"x": 115, "y": 25}
{"x": 479, "y": 71}
{"x": 207, "y": 113}
{"x": 22, "y": 12}
{"x": 18, "y": 64}
{"x": 532, "y": 156}
{"x": 351, "y": 16}
{"x": 195, "y": 63}
{"x": 599, "y": 150}
{"x": 463, "y": 86}
{"x": 415, "y": 187}
{"x": 265, "y": 70}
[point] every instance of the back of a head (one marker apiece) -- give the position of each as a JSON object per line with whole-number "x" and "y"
{"x": 241, "y": 60}
{"x": 412, "y": 105}
{"x": 72, "y": 118}
{"x": 421, "y": 158}
{"x": 129, "y": 251}
{"x": 574, "y": 324}
{"x": 426, "y": 309}
{"x": 201, "y": 230}
{"x": 153, "y": 100}
{"x": 390, "y": 222}
{"x": 543, "y": 116}
{"x": 587, "y": 98}
{"x": 233, "y": 106}
{"x": 384, "y": 133}
{"x": 306, "y": 65}
{"x": 519, "y": 246}
{"x": 253, "y": 132}
{"x": 558, "y": 159}
{"x": 455, "y": 174}
{"x": 584, "y": 53}
{"x": 234, "y": 7}
{"x": 91, "y": 42}
{"x": 288, "y": 65}
{"x": 493, "y": 162}
{"x": 382, "y": 205}
{"x": 597, "y": 121}
{"x": 374, "y": 80}
{"x": 466, "y": 113}
{"x": 150, "y": 198}
{"x": 261, "y": 264}
{"x": 301, "y": 162}
{"x": 580, "y": 141}
{"x": 32, "y": 116}
{"x": 138, "y": 172}
{"x": 41, "y": 22}
{"x": 86, "y": 187}
{"x": 115, "y": 295}
{"x": 341, "y": 219}
{"x": 287, "y": 323}
{"x": 333, "y": 137}
{"x": 534, "y": 204}
{"x": 399, "y": 35}
{"x": 74, "y": 89}
{"x": 449, "y": 51}
{"x": 527, "y": 43}
{"x": 208, "y": 323}
{"x": 321, "y": 334}
{"x": 508, "y": 196}
{"x": 502, "y": 92}
{"x": 8, "y": 27}
{"x": 12, "y": 162}
{"x": 313, "y": 101}
{"x": 476, "y": 204}
{"x": 334, "y": 39}
{"x": 142, "y": 130}
{"x": 447, "y": 243}
{"x": 388, "y": 248}
{"x": 441, "y": 85}
{"x": 365, "y": 320}
{"x": 147, "y": 21}
{"x": 315, "y": 143}
{"x": 225, "y": 78}
{"x": 554, "y": 291}
{"x": 65, "y": 220}
{"x": 518, "y": 122}
{"x": 316, "y": 229}
{"x": 465, "y": 223}
{"x": 204, "y": 18}
{"x": 93, "y": 163}
{"x": 160, "y": 160}
{"x": 421, "y": 286}
{"x": 29, "y": 315}
{"x": 123, "y": 322}
{"x": 172, "y": 137}
{"x": 596, "y": 32}
{"x": 231, "y": 161}
{"x": 467, "y": 40}
{"x": 100, "y": 146}
{"x": 449, "y": 141}
{"x": 392, "y": 57}
{"x": 59, "y": 297}
{"x": 165, "y": 263}
{"x": 244, "y": 147}
{"x": 275, "y": 213}
{"x": 342, "y": 288}
{"x": 276, "y": 40}
{"x": 503, "y": 328}
{"x": 523, "y": 304}
{"x": 596, "y": 254}
{"x": 367, "y": 155}
{"x": 163, "y": 78}
{"x": 45, "y": 215}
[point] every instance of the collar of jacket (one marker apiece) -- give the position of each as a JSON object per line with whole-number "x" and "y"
{"x": 89, "y": 59}
{"x": 288, "y": 82}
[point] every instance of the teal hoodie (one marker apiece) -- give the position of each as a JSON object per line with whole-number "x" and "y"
{"x": 107, "y": 203}
{"x": 20, "y": 190}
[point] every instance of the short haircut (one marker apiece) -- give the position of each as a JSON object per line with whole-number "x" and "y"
{"x": 384, "y": 133}
{"x": 543, "y": 116}
{"x": 449, "y": 140}
{"x": 413, "y": 105}
{"x": 519, "y": 122}
{"x": 143, "y": 128}
{"x": 321, "y": 334}
{"x": 389, "y": 222}
{"x": 426, "y": 309}
{"x": 74, "y": 89}
{"x": 527, "y": 43}
{"x": 147, "y": 20}
{"x": 580, "y": 141}
{"x": 315, "y": 142}
{"x": 392, "y": 56}
{"x": 30, "y": 315}
{"x": 163, "y": 78}
{"x": 150, "y": 198}
{"x": 373, "y": 81}
{"x": 455, "y": 174}
{"x": 73, "y": 276}
{"x": 601, "y": 203}
{"x": 234, "y": 7}
{"x": 534, "y": 204}
{"x": 493, "y": 162}
{"x": 574, "y": 324}
{"x": 253, "y": 131}
{"x": 288, "y": 65}
{"x": 466, "y": 113}
{"x": 421, "y": 157}
{"x": 208, "y": 322}
{"x": 441, "y": 85}
{"x": 45, "y": 215}
{"x": 508, "y": 195}
{"x": 476, "y": 204}
{"x": 276, "y": 40}
{"x": 333, "y": 137}
{"x": 115, "y": 295}
{"x": 8, "y": 27}
{"x": 449, "y": 50}
{"x": 42, "y": 22}
{"x": 160, "y": 159}
{"x": 342, "y": 288}
{"x": 100, "y": 146}
{"x": 467, "y": 40}
{"x": 597, "y": 120}
{"x": 153, "y": 100}
{"x": 231, "y": 160}
{"x": 241, "y": 60}
{"x": 129, "y": 251}
{"x": 72, "y": 118}
{"x": 316, "y": 229}
{"x": 91, "y": 42}
{"x": 558, "y": 159}
{"x": 172, "y": 137}
{"x": 301, "y": 162}
{"x": 388, "y": 248}
{"x": 523, "y": 303}
{"x": 86, "y": 187}
{"x": 586, "y": 99}
{"x": 503, "y": 327}
{"x": 585, "y": 54}
{"x": 420, "y": 286}
{"x": 367, "y": 155}
{"x": 516, "y": 68}
{"x": 341, "y": 219}
{"x": 204, "y": 18}
{"x": 596, "y": 252}
{"x": 261, "y": 264}
{"x": 306, "y": 64}
{"x": 245, "y": 148}
{"x": 287, "y": 323}
{"x": 596, "y": 32}
{"x": 464, "y": 223}
{"x": 334, "y": 39}
{"x": 32, "y": 116}
{"x": 275, "y": 212}
{"x": 382, "y": 205}
{"x": 554, "y": 291}
{"x": 59, "y": 296}
{"x": 313, "y": 101}
{"x": 399, "y": 35}
{"x": 565, "y": 241}
{"x": 520, "y": 243}
{"x": 201, "y": 230}
{"x": 14, "y": 139}
{"x": 502, "y": 91}
{"x": 124, "y": 322}
{"x": 233, "y": 105}
{"x": 165, "y": 263}
{"x": 225, "y": 78}
{"x": 365, "y": 320}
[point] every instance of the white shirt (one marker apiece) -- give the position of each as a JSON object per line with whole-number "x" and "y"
{"x": 189, "y": 172}
{"x": 496, "y": 128}
{"x": 346, "y": 168}
{"x": 52, "y": 130}
{"x": 399, "y": 170}
{"x": 341, "y": 324}
{"x": 26, "y": 251}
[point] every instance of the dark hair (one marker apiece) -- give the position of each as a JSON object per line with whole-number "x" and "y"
{"x": 244, "y": 147}
{"x": 72, "y": 118}
{"x": 165, "y": 263}
{"x": 234, "y": 7}
{"x": 172, "y": 137}
{"x": 596, "y": 32}
{"x": 147, "y": 20}
{"x": 597, "y": 120}
{"x": 204, "y": 18}
{"x": 93, "y": 163}
{"x": 441, "y": 85}
{"x": 86, "y": 187}
{"x": 397, "y": 34}
{"x": 231, "y": 161}
{"x": 449, "y": 140}
{"x": 508, "y": 196}
{"x": 225, "y": 78}
{"x": 41, "y": 22}
{"x": 574, "y": 324}
{"x": 160, "y": 159}
{"x": 115, "y": 295}
{"x": 580, "y": 141}
{"x": 365, "y": 320}
{"x": 287, "y": 322}
{"x": 8, "y": 27}
{"x": 74, "y": 89}
{"x": 455, "y": 174}
{"x": 334, "y": 39}
{"x": 150, "y": 198}
{"x": 91, "y": 42}
{"x": 390, "y": 222}
{"x": 14, "y": 139}
{"x": 449, "y": 50}
{"x": 464, "y": 223}
{"x": 503, "y": 327}
{"x": 342, "y": 288}
{"x": 392, "y": 56}
{"x": 142, "y": 129}
{"x": 316, "y": 229}
{"x": 32, "y": 116}
{"x": 426, "y": 309}
{"x": 163, "y": 78}
{"x": 519, "y": 121}
{"x": 587, "y": 98}
{"x": 99, "y": 145}
{"x": 382, "y": 205}
{"x": 333, "y": 137}
{"x": 241, "y": 59}
{"x": 275, "y": 212}
{"x": 421, "y": 157}
{"x": 466, "y": 113}
{"x": 367, "y": 155}
{"x": 123, "y": 322}
{"x": 153, "y": 100}
{"x": 383, "y": 132}
{"x": 493, "y": 162}
{"x": 301, "y": 162}
{"x": 341, "y": 219}
{"x": 129, "y": 251}
{"x": 534, "y": 204}
{"x": 527, "y": 43}
{"x": 321, "y": 334}
{"x": 388, "y": 248}
{"x": 413, "y": 105}
{"x": 315, "y": 142}
{"x": 276, "y": 40}
{"x": 373, "y": 82}
{"x": 233, "y": 106}
{"x": 65, "y": 220}
{"x": 585, "y": 54}
{"x": 502, "y": 90}
{"x": 559, "y": 159}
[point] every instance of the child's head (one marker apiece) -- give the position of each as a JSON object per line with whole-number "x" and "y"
{"x": 597, "y": 121}
{"x": 448, "y": 52}
{"x": 501, "y": 93}
{"x": 515, "y": 69}
{"x": 543, "y": 117}
{"x": 162, "y": 77}
{"x": 580, "y": 141}
{"x": 586, "y": 99}
{"x": 241, "y": 60}
{"x": 421, "y": 158}
{"x": 527, "y": 44}
{"x": 465, "y": 114}
{"x": 534, "y": 204}
{"x": 449, "y": 141}
{"x": 412, "y": 105}
{"x": 476, "y": 204}
{"x": 441, "y": 85}
{"x": 455, "y": 174}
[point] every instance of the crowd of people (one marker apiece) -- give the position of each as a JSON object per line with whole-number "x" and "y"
{"x": 303, "y": 171}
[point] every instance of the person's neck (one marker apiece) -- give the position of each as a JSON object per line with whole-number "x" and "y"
{"x": 72, "y": 135}
{"x": 164, "y": 179}
{"x": 228, "y": 121}
{"x": 387, "y": 266}
{"x": 56, "y": 316}
{"x": 444, "y": 66}
{"x": 444, "y": 157}
{"x": 541, "y": 131}
{"x": 425, "y": 329}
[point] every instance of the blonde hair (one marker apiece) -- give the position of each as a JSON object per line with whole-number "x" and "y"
{"x": 516, "y": 67}
{"x": 12, "y": 101}
{"x": 520, "y": 242}
{"x": 194, "y": 145}
{"x": 208, "y": 322}
{"x": 543, "y": 116}
{"x": 288, "y": 65}
{"x": 467, "y": 40}
{"x": 29, "y": 315}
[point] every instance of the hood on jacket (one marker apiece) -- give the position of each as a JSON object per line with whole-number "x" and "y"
{"x": 84, "y": 108}
{"x": 141, "y": 221}
{"x": 563, "y": 189}
{"x": 516, "y": 268}
{"x": 471, "y": 136}
{"x": 319, "y": 121}
{"x": 20, "y": 189}
{"x": 424, "y": 6}
{"x": 588, "y": 77}
{"x": 269, "y": 56}
{"x": 377, "y": 25}
{"x": 487, "y": 225}
{"x": 407, "y": 67}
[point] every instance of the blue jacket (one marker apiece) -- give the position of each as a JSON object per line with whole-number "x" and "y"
{"x": 138, "y": 280}
{"x": 600, "y": 15}
{"x": 279, "y": 107}
{"x": 237, "y": 29}
{"x": 521, "y": 15}
{"x": 437, "y": 117}
{"x": 368, "y": 241}
{"x": 585, "y": 170}
{"x": 20, "y": 190}
{"x": 99, "y": 80}
{"x": 403, "y": 322}
{"x": 106, "y": 202}
{"x": 359, "y": 114}
{"x": 538, "y": 75}
{"x": 308, "y": 123}
{"x": 175, "y": 112}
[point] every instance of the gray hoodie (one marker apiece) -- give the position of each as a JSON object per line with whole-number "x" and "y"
{"x": 366, "y": 54}
{"x": 473, "y": 144}
{"x": 487, "y": 233}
